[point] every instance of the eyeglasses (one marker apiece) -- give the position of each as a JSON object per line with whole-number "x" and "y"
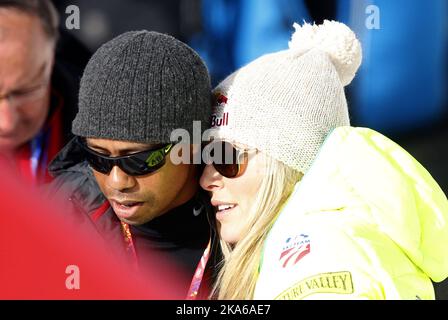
{"x": 228, "y": 160}
{"x": 22, "y": 97}
{"x": 136, "y": 164}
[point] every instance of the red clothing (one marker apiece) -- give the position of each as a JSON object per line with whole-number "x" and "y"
{"x": 32, "y": 158}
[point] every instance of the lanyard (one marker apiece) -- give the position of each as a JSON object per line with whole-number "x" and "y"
{"x": 199, "y": 274}
{"x": 38, "y": 156}
{"x": 125, "y": 229}
{"x": 200, "y": 269}
{"x": 130, "y": 247}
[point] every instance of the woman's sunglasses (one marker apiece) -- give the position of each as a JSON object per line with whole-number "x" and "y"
{"x": 228, "y": 160}
{"x": 136, "y": 164}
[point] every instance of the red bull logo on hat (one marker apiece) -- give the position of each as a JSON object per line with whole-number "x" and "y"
{"x": 221, "y": 99}
{"x": 219, "y": 119}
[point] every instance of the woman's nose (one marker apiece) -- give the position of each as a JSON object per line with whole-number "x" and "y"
{"x": 210, "y": 180}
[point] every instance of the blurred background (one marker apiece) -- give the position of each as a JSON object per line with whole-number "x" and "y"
{"x": 400, "y": 89}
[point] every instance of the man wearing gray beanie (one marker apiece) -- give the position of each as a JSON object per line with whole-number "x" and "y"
{"x": 117, "y": 172}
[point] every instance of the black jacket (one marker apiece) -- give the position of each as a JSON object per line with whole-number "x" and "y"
{"x": 178, "y": 235}
{"x": 70, "y": 60}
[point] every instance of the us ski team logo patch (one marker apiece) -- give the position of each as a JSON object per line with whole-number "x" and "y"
{"x": 294, "y": 249}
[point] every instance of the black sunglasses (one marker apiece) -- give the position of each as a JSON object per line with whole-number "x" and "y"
{"x": 228, "y": 160}
{"x": 136, "y": 164}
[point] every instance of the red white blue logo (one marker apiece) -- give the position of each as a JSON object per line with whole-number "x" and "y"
{"x": 294, "y": 249}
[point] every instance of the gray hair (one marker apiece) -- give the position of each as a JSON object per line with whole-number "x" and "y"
{"x": 43, "y": 9}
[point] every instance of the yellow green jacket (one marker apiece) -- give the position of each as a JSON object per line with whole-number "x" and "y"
{"x": 367, "y": 221}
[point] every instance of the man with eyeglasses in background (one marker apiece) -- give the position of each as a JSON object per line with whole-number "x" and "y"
{"x": 38, "y": 87}
{"x": 117, "y": 172}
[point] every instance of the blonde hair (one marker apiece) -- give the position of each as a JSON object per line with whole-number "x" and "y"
{"x": 238, "y": 274}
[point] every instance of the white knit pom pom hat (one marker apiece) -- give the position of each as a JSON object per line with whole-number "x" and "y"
{"x": 286, "y": 103}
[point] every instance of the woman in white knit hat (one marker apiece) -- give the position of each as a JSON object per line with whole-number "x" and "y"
{"x": 310, "y": 207}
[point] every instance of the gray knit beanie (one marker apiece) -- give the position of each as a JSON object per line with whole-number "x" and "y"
{"x": 141, "y": 86}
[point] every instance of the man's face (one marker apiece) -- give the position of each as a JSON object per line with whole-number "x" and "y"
{"x": 26, "y": 61}
{"x": 139, "y": 199}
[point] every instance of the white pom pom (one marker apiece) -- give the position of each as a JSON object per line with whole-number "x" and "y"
{"x": 334, "y": 38}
